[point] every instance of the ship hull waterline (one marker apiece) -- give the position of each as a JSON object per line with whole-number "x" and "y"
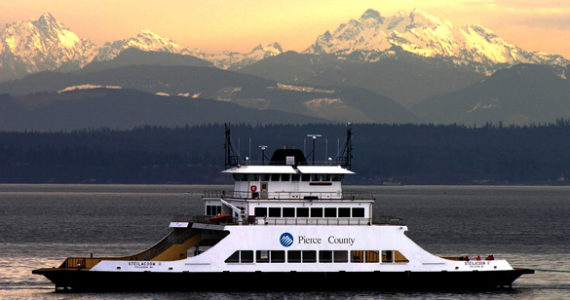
{"x": 82, "y": 280}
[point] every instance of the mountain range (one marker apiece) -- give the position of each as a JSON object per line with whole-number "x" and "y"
{"x": 406, "y": 68}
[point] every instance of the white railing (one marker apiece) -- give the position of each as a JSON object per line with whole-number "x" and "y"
{"x": 312, "y": 221}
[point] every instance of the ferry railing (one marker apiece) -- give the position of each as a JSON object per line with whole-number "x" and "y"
{"x": 297, "y": 195}
{"x": 376, "y": 220}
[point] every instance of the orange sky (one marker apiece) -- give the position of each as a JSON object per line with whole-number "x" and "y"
{"x": 239, "y": 25}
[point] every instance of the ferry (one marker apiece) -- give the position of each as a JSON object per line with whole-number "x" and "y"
{"x": 287, "y": 225}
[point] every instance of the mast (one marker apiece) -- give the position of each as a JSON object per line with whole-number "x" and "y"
{"x": 346, "y": 158}
{"x": 230, "y": 159}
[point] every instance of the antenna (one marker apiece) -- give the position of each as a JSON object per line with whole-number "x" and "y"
{"x": 314, "y": 137}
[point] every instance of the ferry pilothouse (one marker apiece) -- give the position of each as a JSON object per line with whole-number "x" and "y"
{"x": 287, "y": 224}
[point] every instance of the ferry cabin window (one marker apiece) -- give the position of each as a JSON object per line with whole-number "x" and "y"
{"x": 284, "y": 177}
{"x": 372, "y": 256}
{"x": 277, "y": 256}
{"x": 309, "y": 256}
{"x": 275, "y": 212}
{"x": 294, "y": 256}
{"x": 274, "y": 177}
{"x": 340, "y": 256}
{"x": 387, "y": 256}
{"x": 344, "y": 212}
{"x": 325, "y": 256}
{"x": 288, "y": 212}
{"x": 302, "y": 212}
{"x": 262, "y": 256}
{"x": 358, "y": 212}
{"x": 295, "y": 177}
{"x": 239, "y": 177}
{"x": 246, "y": 256}
{"x": 316, "y": 212}
{"x": 330, "y": 212}
{"x": 356, "y": 256}
{"x": 305, "y": 177}
{"x": 234, "y": 258}
{"x": 213, "y": 210}
{"x": 265, "y": 177}
{"x": 325, "y": 177}
{"x": 315, "y": 177}
{"x": 337, "y": 177}
{"x": 261, "y": 211}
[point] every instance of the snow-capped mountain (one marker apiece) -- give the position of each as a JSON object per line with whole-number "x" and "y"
{"x": 236, "y": 60}
{"x": 42, "y": 44}
{"x": 373, "y": 36}
{"x": 146, "y": 40}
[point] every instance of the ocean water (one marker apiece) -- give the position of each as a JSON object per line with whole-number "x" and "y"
{"x": 40, "y": 225}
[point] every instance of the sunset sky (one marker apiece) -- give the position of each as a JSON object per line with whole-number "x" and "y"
{"x": 240, "y": 25}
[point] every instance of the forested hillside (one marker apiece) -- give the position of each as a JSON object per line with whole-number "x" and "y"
{"x": 406, "y": 154}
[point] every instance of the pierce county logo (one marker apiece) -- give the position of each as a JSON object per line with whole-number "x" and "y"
{"x": 286, "y": 239}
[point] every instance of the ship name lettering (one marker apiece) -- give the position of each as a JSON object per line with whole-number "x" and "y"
{"x": 307, "y": 240}
{"x": 337, "y": 240}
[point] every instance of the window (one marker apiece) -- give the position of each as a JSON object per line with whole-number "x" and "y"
{"x": 284, "y": 177}
{"x": 372, "y": 256}
{"x": 274, "y": 177}
{"x": 326, "y": 177}
{"x": 316, "y": 212}
{"x": 265, "y": 177}
{"x": 246, "y": 256}
{"x": 261, "y": 211}
{"x": 288, "y": 212}
{"x": 295, "y": 177}
{"x": 252, "y": 177}
{"x": 387, "y": 256}
{"x": 305, "y": 177}
{"x": 262, "y": 256}
{"x": 309, "y": 256}
{"x": 277, "y": 256}
{"x": 337, "y": 177}
{"x": 358, "y": 212}
{"x": 344, "y": 212}
{"x": 302, "y": 212}
{"x": 294, "y": 256}
{"x": 330, "y": 212}
{"x": 275, "y": 212}
{"x": 213, "y": 210}
{"x": 340, "y": 256}
{"x": 315, "y": 177}
{"x": 234, "y": 258}
{"x": 325, "y": 256}
{"x": 356, "y": 256}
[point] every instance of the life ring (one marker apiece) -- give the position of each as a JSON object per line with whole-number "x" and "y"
{"x": 253, "y": 188}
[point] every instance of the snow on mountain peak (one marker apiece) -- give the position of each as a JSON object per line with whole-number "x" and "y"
{"x": 374, "y": 36}
{"x": 42, "y": 44}
{"x": 145, "y": 40}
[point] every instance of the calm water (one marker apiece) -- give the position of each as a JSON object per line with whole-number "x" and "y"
{"x": 40, "y": 225}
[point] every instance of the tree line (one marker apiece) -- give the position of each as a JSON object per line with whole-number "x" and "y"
{"x": 394, "y": 154}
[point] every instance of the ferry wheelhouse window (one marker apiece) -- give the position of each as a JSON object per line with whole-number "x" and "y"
{"x": 294, "y": 256}
{"x": 275, "y": 212}
{"x": 274, "y": 177}
{"x": 315, "y": 177}
{"x": 358, "y": 212}
{"x": 325, "y": 256}
{"x": 340, "y": 256}
{"x": 288, "y": 212}
{"x": 316, "y": 212}
{"x": 344, "y": 212}
{"x": 252, "y": 177}
{"x": 239, "y": 177}
{"x": 284, "y": 177}
{"x": 302, "y": 212}
{"x": 261, "y": 211}
{"x": 305, "y": 177}
{"x": 336, "y": 177}
{"x": 277, "y": 256}
{"x": 295, "y": 177}
{"x": 265, "y": 177}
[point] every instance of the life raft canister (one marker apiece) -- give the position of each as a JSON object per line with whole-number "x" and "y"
{"x": 253, "y": 188}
